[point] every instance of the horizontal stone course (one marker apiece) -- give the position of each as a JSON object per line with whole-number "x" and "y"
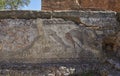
{"x": 48, "y": 14}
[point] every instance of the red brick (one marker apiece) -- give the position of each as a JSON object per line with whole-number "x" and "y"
{"x": 82, "y": 4}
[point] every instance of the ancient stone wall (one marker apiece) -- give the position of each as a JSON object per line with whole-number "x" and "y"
{"x": 59, "y": 43}
{"x": 67, "y": 35}
{"x": 81, "y": 4}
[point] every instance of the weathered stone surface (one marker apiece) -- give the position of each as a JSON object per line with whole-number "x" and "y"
{"x": 16, "y": 36}
{"x": 56, "y": 39}
{"x": 118, "y": 16}
{"x": 20, "y": 14}
{"x": 66, "y": 37}
{"x": 111, "y": 44}
{"x": 59, "y": 42}
{"x": 115, "y": 64}
{"x": 48, "y": 70}
{"x": 50, "y": 39}
{"x": 81, "y": 5}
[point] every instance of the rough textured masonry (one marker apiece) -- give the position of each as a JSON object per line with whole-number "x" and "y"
{"x": 78, "y": 37}
{"x": 41, "y": 39}
{"x": 81, "y": 4}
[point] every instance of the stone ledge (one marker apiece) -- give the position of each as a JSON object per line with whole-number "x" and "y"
{"x": 14, "y": 14}
{"x": 26, "y": 14}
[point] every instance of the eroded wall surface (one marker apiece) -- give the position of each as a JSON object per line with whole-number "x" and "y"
{"x": 55, "y": 39}
{"x": 46, "y": 39}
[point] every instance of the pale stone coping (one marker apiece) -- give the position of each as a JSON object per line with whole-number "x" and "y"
{"x": 27, "y": 14}
{"x": 83, "y": 11}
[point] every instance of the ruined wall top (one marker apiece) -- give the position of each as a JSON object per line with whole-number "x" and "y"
{"x": 22, "y": 14}
{"x": 81, "y": 4}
